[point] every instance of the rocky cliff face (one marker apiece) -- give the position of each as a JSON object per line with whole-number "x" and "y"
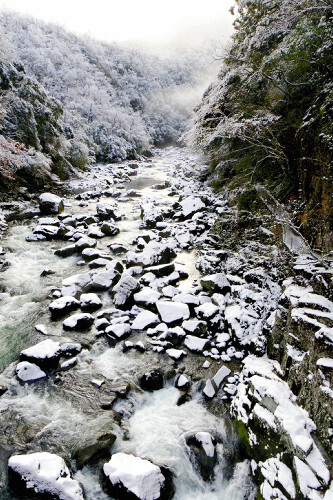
{"x": 33, "y": 146}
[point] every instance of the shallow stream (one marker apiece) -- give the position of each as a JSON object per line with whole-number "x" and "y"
{"x": 53, "y": 414}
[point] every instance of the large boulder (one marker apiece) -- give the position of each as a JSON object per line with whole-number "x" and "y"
{"x": 45, "y": 354}
{"x": 152, "y": 381}
{"x": 43, "y": 475}
{"x": 128, "y": 477}
{"x": 216, "y": 283}
{"x": 80, "y": 321}
{"x": 50, "y": 204}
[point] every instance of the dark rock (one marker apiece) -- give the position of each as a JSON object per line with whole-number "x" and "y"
{"x": 152, "y": 381}
{"x": 63, "y": 306}
{"x": 78, "y": 322}
{"x": 203, "y": 450}
{"x": 93, "y": 447}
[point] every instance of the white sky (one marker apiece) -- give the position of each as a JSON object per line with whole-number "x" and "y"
{"x": 147, "y": 21}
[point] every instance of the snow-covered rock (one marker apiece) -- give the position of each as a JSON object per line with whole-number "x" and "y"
{"x": 80, "y": 321}
{"x": 145, "y": 319}
{"x": 105, "y": 280}
{"x": 190, "y": 205}
{"x": 50, "y": 204}
{"x": 130, "y": 477}
{"x": 29, "y": 372}
{"x": 45, "y": 354}
{"x": 118, "y": 331}
{"x": 90, "y": 302}
{"x": 43, "y": 473}
{"x": 147, "y": 296}
{"x": 176, "y": 354}
{"x": 213, "y": 385}
{"x": 216, "y": 283}
{"x": 62, "y": 306}
{"x": 172, "y": 312}
{"x": 196, "y": 344}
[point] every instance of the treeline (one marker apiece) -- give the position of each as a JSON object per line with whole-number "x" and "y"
{"x": 117, "y": 101}
{"x": 269, "y": 117}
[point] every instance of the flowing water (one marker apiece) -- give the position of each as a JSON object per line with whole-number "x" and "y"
{"x": 54, "y": 414}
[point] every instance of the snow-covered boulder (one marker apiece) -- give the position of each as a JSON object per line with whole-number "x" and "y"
{"x": 176, "y": 354}
{"x": 109, "y": 229}
{"x": 29, "y": 372}
{"x": 105, "y": 280}
{"x": 145, "y": 319}
{"x": 50, "y": 204}
{"x": 90, "y": 302}
{"x": 195, "y": 327}
{"x": 190, "y": 205}
{"x": 154, "y": 253}
{"x": 147, "y": 296}
{"x": 118, "y": 331}
{"x": 124, "y": 290}
{"x": 62, "y": 306}
{"x": 129, "y": 478}
{"x": 171, "y": 312}
{"x": 196, "y": 344}
{"x": 216, "y": 283}
{"x": 45, "y": 354}
{"x": 44, "y": 474}
{"x": 80, "y": 321}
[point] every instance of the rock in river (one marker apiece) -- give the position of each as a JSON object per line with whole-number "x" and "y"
{"x": 50, "y": 204}
{"x": 129, "y": 478}
{"x": 44, "y": 474}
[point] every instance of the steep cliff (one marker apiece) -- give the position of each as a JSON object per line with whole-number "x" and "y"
{"x": 268, "y": 119}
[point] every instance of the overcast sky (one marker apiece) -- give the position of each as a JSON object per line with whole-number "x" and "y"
{"x": 147, "y": 21}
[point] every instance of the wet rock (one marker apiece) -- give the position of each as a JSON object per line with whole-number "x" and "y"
{"x": 93, "y": 447}
{"x": 45, "y": 354}
{"x": 66, "y": 251}
{"x": 90, "y": 302}
{"x": 44, "y": 474}
{"x": 89, "y": 254}
{"x": 79, "y": 322}
{"x": 109, "y": 229}
{"x": 128, "y": 477}
{"x": 49, "y": 232}
{"x": 152, "y": 381}
{"x": 63, "y": 306}
{"x": 46, "y": 272}
{"x": 3, "y": 390}
{"x": 124, "y": 290}
{"x": 203, "y": 449}
{"x": 50, "y": 204}
{"x": 29, "y": 372}
{"x": 107, "y": 211}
